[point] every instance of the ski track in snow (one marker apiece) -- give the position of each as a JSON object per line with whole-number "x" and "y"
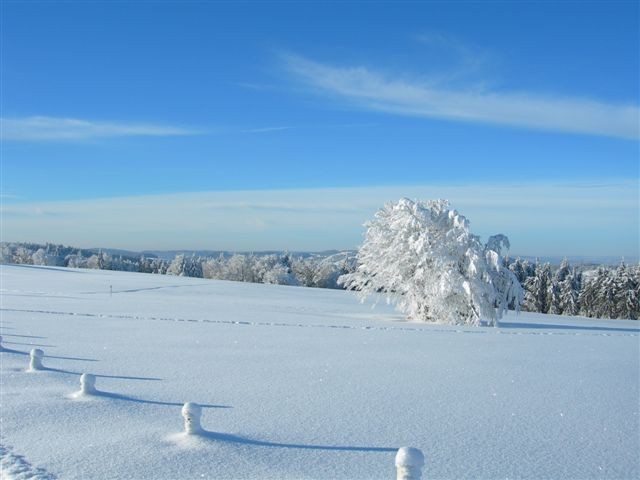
{"x": 16, "y": 467}
{"x": 488, "y": 331}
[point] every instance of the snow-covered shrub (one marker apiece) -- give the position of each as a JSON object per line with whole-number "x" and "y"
{"x": 424, "y": 259}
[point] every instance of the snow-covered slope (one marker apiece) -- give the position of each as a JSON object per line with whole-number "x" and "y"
{"x": 301, "y": 383}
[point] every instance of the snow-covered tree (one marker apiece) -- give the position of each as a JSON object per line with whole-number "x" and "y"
{"x": 6, "y": 254}
{"x": 144, "y": 264}
{"x": 330, "y": 269}
{"x": 74, "y": 260}
{"x": 627, "y": 290}
{"x": 537, "y": 287}
{"x": 240, "y": 268}
{"x": 597, "y": 297}
{"x": 159, "y": 266}
{"x": 588, "y": 297}
{"x": 39, "y": 257}
{"x": 569, "y": 293}
{"x": 193, "y": 267}
{"x": 92, "y": 262}
{"x": 177, "y": 265}
{"x": 563, "y": 271}
{"x": 607, "y": 293}
{"x": 305, "y": 271}
{"x": 274, "y": 269}
{"x": 508, "y": 289}
{"x": 424, "y": 259}
{"x": 518, "y": 267}
{"x": 22, "y": 256}
{"x": 184, "y": 266}
{"x": 214, "y": 268}
{"x": 554, "y": 291}
{"x": 323, "y": 272}
{"x": 279, "y": 274}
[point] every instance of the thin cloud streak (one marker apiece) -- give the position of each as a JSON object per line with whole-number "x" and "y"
{"x": 266, "y": 129}
{"x": 539, "y": 218}
{"x": 374, "y": 91}
{"x": 40, "y": 128}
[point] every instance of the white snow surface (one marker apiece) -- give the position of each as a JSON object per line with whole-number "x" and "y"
{"x": 300, "y": 383}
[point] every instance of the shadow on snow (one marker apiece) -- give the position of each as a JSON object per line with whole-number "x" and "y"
{"x": 126, "y": 398}
{"x": 566, "y": 327}
{"x": 225, "y": 437}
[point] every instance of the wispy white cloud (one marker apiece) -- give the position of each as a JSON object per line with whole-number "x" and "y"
{"x": 309, "y": 127}
{"x": 55, "y": 128}
{"x": 266, "y": 129}
{"x": 43, "y": 129}
{"x": 539, "y": 218}
{"x": 428, "y": 97}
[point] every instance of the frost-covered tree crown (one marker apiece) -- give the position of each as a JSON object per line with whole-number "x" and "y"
{"x": 423, "y": 257}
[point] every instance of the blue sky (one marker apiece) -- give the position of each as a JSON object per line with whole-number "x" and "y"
{"x": 289, "y": 101}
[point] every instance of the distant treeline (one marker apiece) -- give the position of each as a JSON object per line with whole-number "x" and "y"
{"x": 601, "y": 292}
{"x": 283, "y": 269}
{"x": 596, "y": 291}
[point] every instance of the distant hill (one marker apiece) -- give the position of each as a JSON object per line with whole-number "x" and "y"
{"x": 170, "y": 254}
{"x": 584, "y": 260}
{"x": 114, "y": 252}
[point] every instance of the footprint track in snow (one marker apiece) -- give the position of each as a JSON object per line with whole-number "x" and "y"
{"x": 487, "y": 331}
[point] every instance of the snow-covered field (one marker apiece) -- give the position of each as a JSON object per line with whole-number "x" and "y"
{"x": 301, "y": 383}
